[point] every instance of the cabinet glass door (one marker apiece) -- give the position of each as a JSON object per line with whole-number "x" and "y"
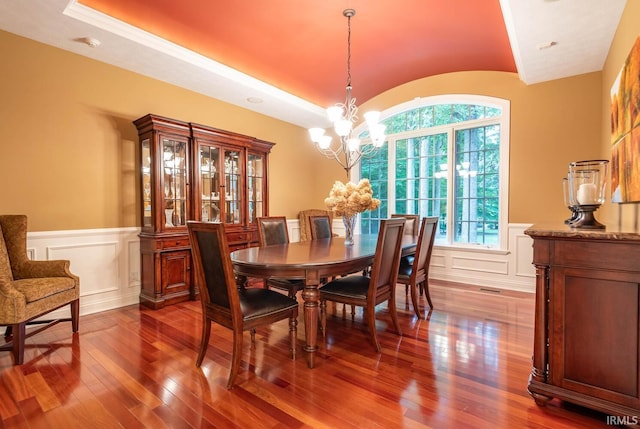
{"x": 147, "y": 196}
{"x": 210, "y": 183}
{"x": 255, "y": 185}
{"x": 232, "y": 189}
{"x": 174, "y": 154}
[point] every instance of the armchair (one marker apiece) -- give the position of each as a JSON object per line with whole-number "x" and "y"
{"x": 30, "y": 289}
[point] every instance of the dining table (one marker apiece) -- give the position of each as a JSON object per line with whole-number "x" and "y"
{"x": 310, "y": 261}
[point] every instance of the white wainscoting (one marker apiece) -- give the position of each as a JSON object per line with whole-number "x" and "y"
{"x": 108, "y": 262}
{"x": 509, "y": 269}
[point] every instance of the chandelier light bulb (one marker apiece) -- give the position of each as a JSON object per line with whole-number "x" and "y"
{"x": 372, "y": 118}
{"x": 316, "y": 134}
{"x": 324, "y": 142}
{"x": 334, "y": 113}
{"x": 353, "y": 144}
{"x": 343, "y": 127}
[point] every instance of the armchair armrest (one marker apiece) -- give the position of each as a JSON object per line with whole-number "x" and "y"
{"x": 33, "y": 269}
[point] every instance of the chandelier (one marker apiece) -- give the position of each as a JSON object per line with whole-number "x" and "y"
{"x": 348, "y": 150}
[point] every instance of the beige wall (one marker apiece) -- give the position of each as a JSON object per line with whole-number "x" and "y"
{"x": 69, "y": 149}
{"x": 623, "y": 215}
{"x": 552, "y": 124}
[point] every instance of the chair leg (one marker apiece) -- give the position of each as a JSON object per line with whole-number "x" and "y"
{"x": 235, "y": 357}
{"x": 75, "y": 315}
{"x": 293, "y": 334}
{"x": 394, "y": 313}
{"x": 204, "y": 343}
{"x": 253, "y": 339}
{"x": 323, "y": 317}
{"x": 19, "y": 332}
{"x": 425, "y": 287}
{"x": 370, "y": 312}
{"x": 414, "y": 300}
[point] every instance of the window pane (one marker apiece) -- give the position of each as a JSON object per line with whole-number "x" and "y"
{"x": 476, "y": 185}
{"x": 428, "y": 165}
{"x": 375, "y": 168}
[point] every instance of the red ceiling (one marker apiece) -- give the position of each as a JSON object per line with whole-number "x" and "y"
{"x": 300, "y": 46}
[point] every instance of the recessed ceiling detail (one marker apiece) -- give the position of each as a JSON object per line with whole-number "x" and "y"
{"x": 293, "y": 58}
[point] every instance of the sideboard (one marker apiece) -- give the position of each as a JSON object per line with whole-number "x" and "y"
{"x": 587, "y": 319}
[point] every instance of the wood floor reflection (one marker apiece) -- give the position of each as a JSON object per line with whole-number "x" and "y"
{"x": 465, "y": 366}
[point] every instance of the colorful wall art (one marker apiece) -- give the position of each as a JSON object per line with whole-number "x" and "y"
{"x": 625, "y": 130}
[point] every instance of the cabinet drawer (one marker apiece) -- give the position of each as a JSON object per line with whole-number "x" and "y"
{"x": 174, "y": 243}
{"x": 237, "y": 237}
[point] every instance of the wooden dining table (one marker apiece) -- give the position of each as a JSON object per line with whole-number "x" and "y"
{"x": 310, "y": 261}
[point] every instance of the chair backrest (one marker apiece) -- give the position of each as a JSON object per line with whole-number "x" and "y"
{"x": 305, "y": 226}
{"x": 384, "y": 271}
{"x": 273, "y": 230}
{"x": 213, "y": 269}
{"x": 320, "y": 227}
{"x": 424, "y": 247}
{"x": 413, "y": 223}
{"x": 14, "y": 231}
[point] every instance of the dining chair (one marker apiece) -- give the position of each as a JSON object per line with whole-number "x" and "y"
{"x": 273, "y": 230}
{"x": 410, "y": 228}
{"x": 305, "y": 226}
{"x": 320, "y": 227}
{"x": 238, "y": 309}
{"x": 369, "y": 291}
{"x": 416, "y": 274}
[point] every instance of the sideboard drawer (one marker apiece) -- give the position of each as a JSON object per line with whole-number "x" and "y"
{"x": 237, "y": 237}
{"x": 175, "y": 242}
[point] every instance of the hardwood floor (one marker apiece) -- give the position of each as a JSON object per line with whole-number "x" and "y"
{"x": 466, "y": 366}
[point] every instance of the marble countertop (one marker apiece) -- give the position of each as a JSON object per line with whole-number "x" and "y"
{"x": 564, "y": 231}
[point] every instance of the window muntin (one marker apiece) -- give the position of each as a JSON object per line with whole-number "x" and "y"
{"x": 445, "y": 158}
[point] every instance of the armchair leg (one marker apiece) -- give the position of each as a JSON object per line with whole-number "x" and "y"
{"x": 75, "y": 314}
{"x": 19, "y": 332}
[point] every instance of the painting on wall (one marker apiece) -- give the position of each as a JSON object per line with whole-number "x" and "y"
{"x": 625, "y": 130}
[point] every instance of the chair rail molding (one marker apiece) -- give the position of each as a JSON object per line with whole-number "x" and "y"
{"x": 108, "y": 262}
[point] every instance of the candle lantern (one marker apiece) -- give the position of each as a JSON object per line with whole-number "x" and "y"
{"x": 571, "y": 205}
{"x": 587, "y": 182}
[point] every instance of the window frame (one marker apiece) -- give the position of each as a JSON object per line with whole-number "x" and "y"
{"x": 503, "y": 120}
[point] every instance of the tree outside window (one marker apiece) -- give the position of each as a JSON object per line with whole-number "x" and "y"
{"x": 444, "y": 160}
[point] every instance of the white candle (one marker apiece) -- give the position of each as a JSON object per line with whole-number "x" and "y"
{"x": 587, "y": 193}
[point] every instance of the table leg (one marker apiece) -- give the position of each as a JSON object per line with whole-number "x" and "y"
{"x": 311, "y": 298}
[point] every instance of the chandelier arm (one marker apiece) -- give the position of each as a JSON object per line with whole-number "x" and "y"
{"x": 348, "y": 151}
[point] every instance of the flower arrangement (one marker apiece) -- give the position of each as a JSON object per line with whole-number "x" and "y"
{"x": 349, "y": 199}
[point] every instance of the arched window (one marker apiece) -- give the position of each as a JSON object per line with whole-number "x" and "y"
{"x": 444, "y": 156}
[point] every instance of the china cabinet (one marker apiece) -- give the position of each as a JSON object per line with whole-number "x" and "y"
{"x": 193, "y": 172}
{"x": 587, "y": 319}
